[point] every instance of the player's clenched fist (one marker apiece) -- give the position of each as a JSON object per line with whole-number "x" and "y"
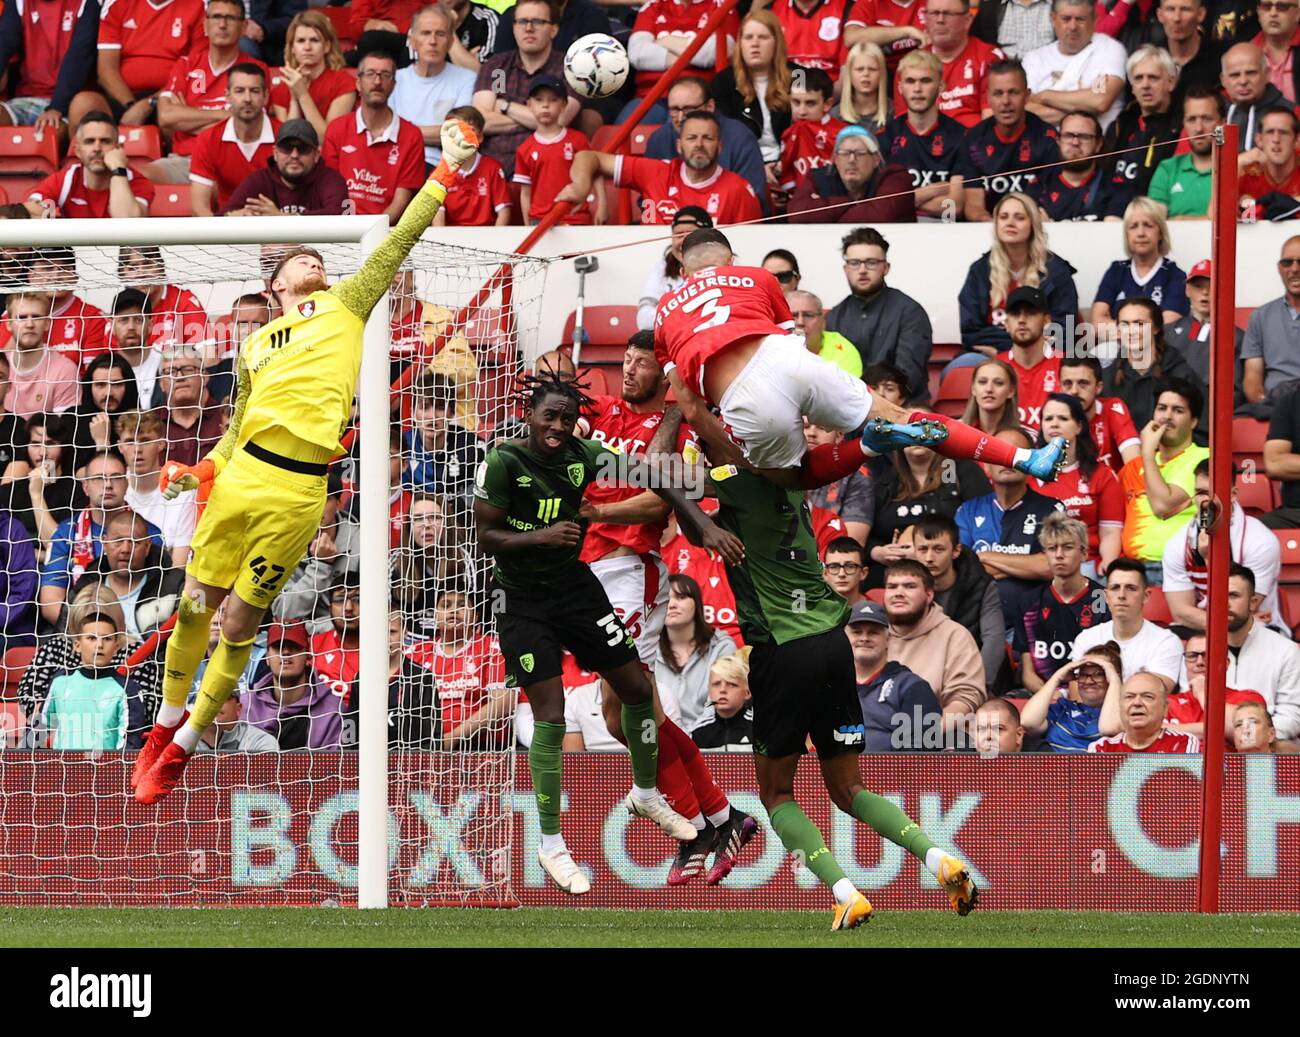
{"x": 562, "y": 534}
{"x": 179, "y": 478}
{"x": 459, "y": 142}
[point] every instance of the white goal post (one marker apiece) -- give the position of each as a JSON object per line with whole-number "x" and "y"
{"x": 365, "y": 233}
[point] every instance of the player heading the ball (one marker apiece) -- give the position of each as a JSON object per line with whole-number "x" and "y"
{"x": 296, "y": 379}
{"x": 725, "y": 337}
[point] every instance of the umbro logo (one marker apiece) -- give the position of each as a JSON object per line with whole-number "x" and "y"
{"x": 524, "y": 480}
{"x": 348, "y": 149}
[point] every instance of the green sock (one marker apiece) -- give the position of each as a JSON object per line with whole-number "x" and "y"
{"x": 890, "y": 821}
{"x": 802, "y": 837}
{"x": 642, "y": 735}
{"x": 545, "y": 764}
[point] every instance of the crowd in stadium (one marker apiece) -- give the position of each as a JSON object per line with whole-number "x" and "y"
{"x": 1065, "y": 616}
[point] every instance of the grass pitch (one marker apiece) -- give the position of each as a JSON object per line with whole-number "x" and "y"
{"x": 574, "y": 927}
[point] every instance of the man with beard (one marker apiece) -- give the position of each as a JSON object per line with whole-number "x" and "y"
{"x": 665, "y": 186}
{"x": 1182, "y": 183}
{"x": 1245, "y": 81}
{"x": 100, "y": 185}
{"x": 922, "y": 139}
{"x": 1260, "y": 658}
{"x": 858, "y": 187}
{"x": 1037, "y": 374}
{"x": 1077, "y": 190}
{"x": 295, "y": 182}
{"x": 1148, "y": 127}
{"x": 76, "y": 327}
{"x": 886, "y": 325}
{"x": 41, "y": 380}
{"x": 297, "y": 378}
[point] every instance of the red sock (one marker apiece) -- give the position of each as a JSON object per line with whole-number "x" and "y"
{"x": 831, "y": 462}
{"x": 712, "y": 800}
{"x": 672, "y": 778}
{"x": 967, "y": 443}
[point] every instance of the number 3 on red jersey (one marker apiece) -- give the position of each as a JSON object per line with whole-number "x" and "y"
{"x": 707, "y": 304}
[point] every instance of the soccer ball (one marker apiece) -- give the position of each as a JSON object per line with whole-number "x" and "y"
{"x": 596, "y": 65}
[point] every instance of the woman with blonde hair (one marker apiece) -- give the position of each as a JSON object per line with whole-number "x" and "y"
{"x": 1147, "y": 273}
{"x": 1019, "y": 257}
{"x": 313, "y": 83}
{"x": 864, "y": 93}
{"x": 994, "y": 390}
{"x": 755, "y": 88}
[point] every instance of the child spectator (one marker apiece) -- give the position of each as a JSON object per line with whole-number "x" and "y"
{"x": 293, "y": 703}
{"x": 336, "y": 649}
{"x": 543, "y": 159}
{"x": 1252, "y": 732}
{"x": 844, "y": 568}
{"x": 140, "y": 439}
{"x": 443, "y": 456}
{"x": 809, "y": 143}
{"x": 728, "y": 722}
{"x": 89, "y": 709}
{"x": 482, "y": 196}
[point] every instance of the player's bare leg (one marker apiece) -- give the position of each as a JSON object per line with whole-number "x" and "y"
{"x": 229, "y": 659}
{"x": 637, "y": 714}
{"x": 803, "y": 839}
{"x": 545, "y": 763}
{"x": 186, "y": 648}
{"x": 843, "y": 782}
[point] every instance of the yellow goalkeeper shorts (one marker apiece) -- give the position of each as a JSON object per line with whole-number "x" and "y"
{"x": 257, "y": 526}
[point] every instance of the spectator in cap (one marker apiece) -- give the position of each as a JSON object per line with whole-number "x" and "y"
{"x": 294, "y": 182}
{"x": 898, "y": 707}
{"x": 740, "y": 149}
{"x": 851, "y": 185}
{"x": 293, "y": 703}
{"x": 1037, "y": 374}
{"x": 431, "y": 86}
{"x": 667, "y": 275}
{"x": 543, "y": 159}
{"x": 1190, "y": 335}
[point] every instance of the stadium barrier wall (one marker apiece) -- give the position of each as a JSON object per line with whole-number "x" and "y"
{"x": 1078, "y": 832}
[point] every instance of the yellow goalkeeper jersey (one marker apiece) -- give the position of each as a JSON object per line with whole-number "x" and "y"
{"x": 298, "y": 374}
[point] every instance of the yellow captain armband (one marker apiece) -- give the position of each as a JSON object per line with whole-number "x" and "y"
{"x": 691, "y": 453}
{"x": 723, "y": 471}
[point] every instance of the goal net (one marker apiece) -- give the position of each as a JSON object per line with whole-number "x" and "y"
{"x": 122, "y": 357}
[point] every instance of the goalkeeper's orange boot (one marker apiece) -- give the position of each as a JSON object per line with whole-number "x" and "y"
{"x": 853, "y": 914}
{"x": 962, "y": 891}
{"x": 164, "y": 776}
{"x": 160, "y": 737}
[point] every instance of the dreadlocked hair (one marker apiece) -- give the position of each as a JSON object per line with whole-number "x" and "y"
{"x": 533, "y": 388}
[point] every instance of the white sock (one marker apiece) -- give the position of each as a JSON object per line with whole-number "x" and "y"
{"x": 553, "y": 844}
{"x": 720, "y": 818}
{"x": 933, "y": 859}
{"x": 187, "y": 737}
{"x": 698, "y": 822}
{"x": 169, "y": 716}
{"x": 844, "y": 891}
{"x": 644, "y": 795}
{"x": 1022, "y": 455}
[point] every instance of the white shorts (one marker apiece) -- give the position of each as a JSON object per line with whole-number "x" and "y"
{"x": 637, "y": 587}
{"x": 764, "y": 408}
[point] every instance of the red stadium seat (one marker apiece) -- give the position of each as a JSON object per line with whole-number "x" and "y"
{"x": 1289, "y": 541}
{"x": 1243, "y": 316}
{"x": 954, "y": 392}
{"x": 876, "y": 594}
{"x": 141, "y": 142}
{"x": 21, "y": 152}
{"x": 942, "y": 352}
{"x": 496, "y": 387}
{"x": 604, "y": 136}
{"x": 171, "y": 200}
{"x": 601, "y": 381}
{"x": 1255, "y": 494}
{"x": 640, "y": 138}
{"x": 1157, "y": 609}
{"x": 606, "y": 330}
{"x": 490, "y": 333}
{"x": 1248, "y": 436}
{"x": 1288, "y": 597}
{"x": 340, "y": 17}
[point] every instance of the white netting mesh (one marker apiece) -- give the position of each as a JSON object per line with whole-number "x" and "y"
{"x": 266, "y": 827}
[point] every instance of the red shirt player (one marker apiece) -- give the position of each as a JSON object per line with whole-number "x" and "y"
{"x": 1111, "y": 424}
{"x": 681, "y": 18}
{"x": 376, "y": 164}
{"x": 481, "y": 197}
{"x": 144, "y": 40}
{"x": 814, "y": 33}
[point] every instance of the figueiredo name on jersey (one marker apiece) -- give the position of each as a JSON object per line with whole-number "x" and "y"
{"x": 689, "y": 291}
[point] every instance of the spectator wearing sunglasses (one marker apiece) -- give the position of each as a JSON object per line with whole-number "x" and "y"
{"x": 782, "y": 264}
{"x": 294, "y": 182}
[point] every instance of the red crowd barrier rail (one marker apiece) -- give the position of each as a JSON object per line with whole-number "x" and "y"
{"x": 1060, "y": 832}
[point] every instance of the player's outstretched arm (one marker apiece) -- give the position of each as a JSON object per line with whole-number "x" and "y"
{"x": 360, "y": 292}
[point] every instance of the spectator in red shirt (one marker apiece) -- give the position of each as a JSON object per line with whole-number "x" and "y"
{"x": 814, "y": 32}
{"x": 881, "y": 192}
{"x": 54, "y": 42}
{"x": 1268, "y": 189}
{"x": 1110, "y": 423}
{"x": 897, "y": 28}
{"x": 1142, "y": 705}
{"x": 380, "y": 154}
{"x": 227, "y": 152}
{"x": 665, "y": 28}
{"x": 176, "y": 317}
{"x": 966, "y": 60}
{"x": 336, "y": 649}
{"x": 666, "y": 186}
{"x": 195, "y": 96}
{"x": 100, "y": 185}
{"x": 482, "y": 196}
{"x": 76, "y": 327}
{"x": 294, "y": 182}
{"x": 809, "y": 143}
{"x": 313, "y": 84}
{"x": 40, "y": 380}
{"x": 139, "y": 42}
{"x": 543, "y": 160}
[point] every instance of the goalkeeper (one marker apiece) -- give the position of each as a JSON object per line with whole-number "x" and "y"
{"x": 297, "y": 379}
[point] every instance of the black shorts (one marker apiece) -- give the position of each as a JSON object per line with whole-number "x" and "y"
{"x": 806, "y": 687}
{"x": 573, "y": 612}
